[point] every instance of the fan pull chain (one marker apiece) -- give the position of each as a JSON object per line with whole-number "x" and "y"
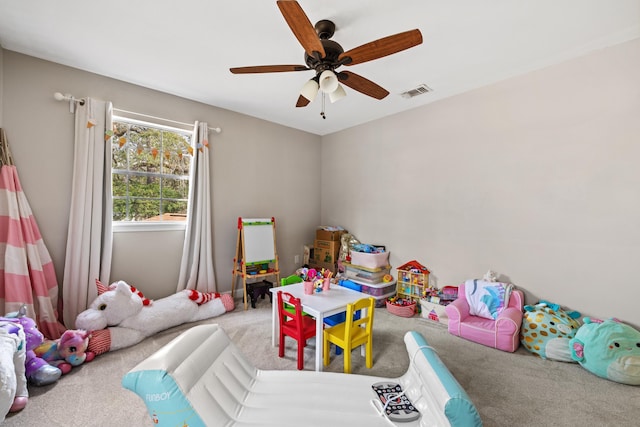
{"x": 322, "y": 111}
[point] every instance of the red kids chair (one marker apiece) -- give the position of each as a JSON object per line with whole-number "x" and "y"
{"x": 294, "y": 325}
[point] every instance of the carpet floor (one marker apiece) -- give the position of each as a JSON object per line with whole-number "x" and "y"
{"x": 508, "y": 389}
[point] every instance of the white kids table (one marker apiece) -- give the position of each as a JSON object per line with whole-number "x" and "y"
{"x": 319, "y": 305}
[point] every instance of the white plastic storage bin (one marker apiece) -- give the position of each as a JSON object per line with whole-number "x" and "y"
{"x": 368, "y": 274}
{"x": 380, "y": 289}
{"x": 370, "y": 260}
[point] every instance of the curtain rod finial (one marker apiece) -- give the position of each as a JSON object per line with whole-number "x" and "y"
{"x": 68, "y": 97}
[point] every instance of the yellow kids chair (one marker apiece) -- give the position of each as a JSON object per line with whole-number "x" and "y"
{"x": 353, "y": 333}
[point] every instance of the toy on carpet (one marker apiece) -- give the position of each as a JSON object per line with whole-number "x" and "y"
{"x": 13, "y": 381}
{"x": 609, "y": 349}
{"x": 37, "y": 370}
{"x": 67, "y": 351}
{"x": 547, "y": 329}
{"x": 118, "y": 318}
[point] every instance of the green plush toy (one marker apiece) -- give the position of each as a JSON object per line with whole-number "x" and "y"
{"x": 547, "y": 330}
{"x": 609, "y": 349}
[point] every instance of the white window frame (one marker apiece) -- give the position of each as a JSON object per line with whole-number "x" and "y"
{"x": 140, "y": 226}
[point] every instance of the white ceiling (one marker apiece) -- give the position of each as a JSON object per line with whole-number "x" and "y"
{"x": 186, "y": 48}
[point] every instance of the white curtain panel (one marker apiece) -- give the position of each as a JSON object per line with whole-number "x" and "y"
{"x": 89, "y": 239}
{"x": 196, "y": 268}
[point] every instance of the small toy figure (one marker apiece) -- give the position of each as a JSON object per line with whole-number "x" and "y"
{"x": 67, "y": 351}
{"x": 490, "y": 276}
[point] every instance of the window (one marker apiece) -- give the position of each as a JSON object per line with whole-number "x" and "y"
{"x": 150, "y": 173}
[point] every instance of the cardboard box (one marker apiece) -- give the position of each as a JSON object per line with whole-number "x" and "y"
{"x": 331, "y": 235}
{"x": 326, "y": 251}
{"x": 328, "y": 245}
{"x": 434, "y": 312}
{"x": 323, "y": 257}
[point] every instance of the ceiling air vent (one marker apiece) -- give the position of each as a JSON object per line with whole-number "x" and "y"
{"x": 419, "y": 90}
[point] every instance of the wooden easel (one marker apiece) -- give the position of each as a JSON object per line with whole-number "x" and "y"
{"x": 256, "y": 256}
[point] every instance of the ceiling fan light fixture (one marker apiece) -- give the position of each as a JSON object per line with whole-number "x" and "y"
{"x": 337, "y": 94}
{"x": 328, "y": 81}
{"x": 310, "y": 90}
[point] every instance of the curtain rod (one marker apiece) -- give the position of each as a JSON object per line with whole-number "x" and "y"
{"x": 68, "y": 97}
{"x": 216, "y": 130}
{"x": 72, "y": 101}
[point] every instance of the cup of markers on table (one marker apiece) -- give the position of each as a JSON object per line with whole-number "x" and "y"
{"x": 326, "y": 282}
{"x": 315, "y": 281}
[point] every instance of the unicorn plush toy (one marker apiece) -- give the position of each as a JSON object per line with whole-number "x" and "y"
{"x": 37, "y": 370}
{"x": 67, "y": 351}
{"x": 120, "y": 316}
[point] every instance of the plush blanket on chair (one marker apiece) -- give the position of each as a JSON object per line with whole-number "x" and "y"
{"x": 487, "y": 299}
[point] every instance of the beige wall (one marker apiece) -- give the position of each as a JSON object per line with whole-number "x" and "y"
{"x": 536, "y": 178}
{"x": 254, "y": 166}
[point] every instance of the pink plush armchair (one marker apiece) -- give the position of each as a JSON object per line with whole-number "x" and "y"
{"x": 502, "y": 333}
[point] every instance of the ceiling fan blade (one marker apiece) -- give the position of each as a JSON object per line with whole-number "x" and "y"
{"x": 382, "y": 47}
{"x": 362, "y": 85}
{"x": 268, "y": 69}
{"x": 302, "y": 101}
{"x": 301, "y": 27}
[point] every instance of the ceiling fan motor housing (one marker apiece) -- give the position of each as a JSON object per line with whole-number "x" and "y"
{"x": 330, "y": 61}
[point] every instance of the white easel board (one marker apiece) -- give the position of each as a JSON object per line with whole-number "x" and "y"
{"x": 259, "y": 240}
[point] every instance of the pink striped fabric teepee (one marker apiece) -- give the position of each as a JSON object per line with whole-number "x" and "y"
{"x": 27, "y": 274}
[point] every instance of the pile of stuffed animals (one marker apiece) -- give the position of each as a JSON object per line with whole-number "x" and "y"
{"x": 607, "y": 348}
{"x": 119, "y": 317}
{"x": 25, "y": 356}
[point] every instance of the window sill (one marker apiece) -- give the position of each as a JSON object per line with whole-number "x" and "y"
{"x": 125, "y": 227}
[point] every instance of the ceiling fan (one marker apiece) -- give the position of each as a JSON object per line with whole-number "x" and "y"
{"x": 325, "y": 56}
